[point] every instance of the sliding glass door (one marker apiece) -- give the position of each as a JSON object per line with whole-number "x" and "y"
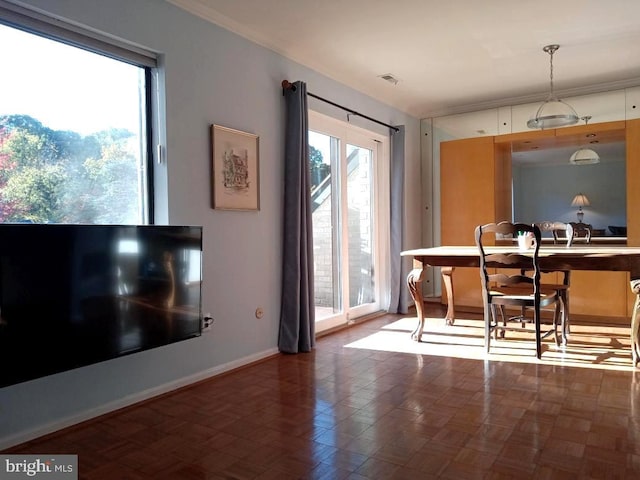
{"x": 344, "y": 164}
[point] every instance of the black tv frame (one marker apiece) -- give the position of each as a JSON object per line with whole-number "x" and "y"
{"x": 74, "y": 295}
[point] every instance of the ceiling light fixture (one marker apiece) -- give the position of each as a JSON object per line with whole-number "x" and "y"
{"x": 585, "y": 156}
{"x": 553, "y": 112}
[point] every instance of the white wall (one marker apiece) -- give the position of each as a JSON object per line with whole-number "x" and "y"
{"x": 211, "y": 76}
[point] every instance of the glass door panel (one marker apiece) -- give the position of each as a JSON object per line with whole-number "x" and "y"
{"x": 324, "y": 155}
{"x": 360, "y": 226}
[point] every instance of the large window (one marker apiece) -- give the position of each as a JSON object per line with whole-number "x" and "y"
{"x": 74, "y": 129}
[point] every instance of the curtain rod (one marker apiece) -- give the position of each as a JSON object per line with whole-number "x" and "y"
{"x": 287, "y": 85}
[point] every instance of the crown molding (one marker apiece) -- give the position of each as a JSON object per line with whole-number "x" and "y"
{"x": 538, "y": 97}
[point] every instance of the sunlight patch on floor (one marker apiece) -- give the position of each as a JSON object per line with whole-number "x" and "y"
{"x": 589, "y": 346}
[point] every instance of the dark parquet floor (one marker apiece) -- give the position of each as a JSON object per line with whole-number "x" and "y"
{"x": 359, "y": 407}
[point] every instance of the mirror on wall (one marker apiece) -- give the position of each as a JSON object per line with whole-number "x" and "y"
{"x": 545, "y": 174}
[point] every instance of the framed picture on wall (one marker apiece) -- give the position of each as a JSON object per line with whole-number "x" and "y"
{"x": 235, "y": 169}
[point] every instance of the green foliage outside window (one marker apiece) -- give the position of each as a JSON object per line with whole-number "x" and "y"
{"x": 49, "y": 176}
{"x": 319, "y": 170}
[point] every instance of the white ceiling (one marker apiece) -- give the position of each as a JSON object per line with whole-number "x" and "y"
{"x": 449, "y": 56}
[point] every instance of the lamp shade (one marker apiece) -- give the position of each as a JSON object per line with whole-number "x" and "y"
{"x": 584, "y": 156}
{"x": 580, "y": 200}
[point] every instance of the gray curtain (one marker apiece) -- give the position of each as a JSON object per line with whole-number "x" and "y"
{"x": 297, "y": 316}
{"x": 399, "y": 302}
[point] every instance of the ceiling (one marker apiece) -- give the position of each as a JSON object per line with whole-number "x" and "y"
{"x": 448, "y": 56}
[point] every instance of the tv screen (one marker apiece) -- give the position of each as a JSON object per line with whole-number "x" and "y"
{"x": 73, "y": 295}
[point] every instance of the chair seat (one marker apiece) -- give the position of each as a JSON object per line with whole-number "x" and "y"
{"x": 516, "y": 296}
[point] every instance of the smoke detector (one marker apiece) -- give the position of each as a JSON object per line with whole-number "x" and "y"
{"x": 389, "y": 78}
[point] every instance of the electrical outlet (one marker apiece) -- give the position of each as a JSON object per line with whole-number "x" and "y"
{"x": 207, "y": 321}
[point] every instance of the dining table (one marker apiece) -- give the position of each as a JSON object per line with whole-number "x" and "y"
{"x": 551, "y": 258}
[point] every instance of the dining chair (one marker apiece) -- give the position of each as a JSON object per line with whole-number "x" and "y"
{"x": 562, "y": 232}
{"x": 582, "y": 232}
{"x": 565, "y": 233}
{"x": 515, "y": 284}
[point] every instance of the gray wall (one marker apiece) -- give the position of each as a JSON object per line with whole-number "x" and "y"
{"x": 553, "y": 188}
{"x": 211, "y": 76}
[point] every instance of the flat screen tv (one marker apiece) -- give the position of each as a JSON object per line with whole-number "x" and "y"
{"x": 74, "y": 295}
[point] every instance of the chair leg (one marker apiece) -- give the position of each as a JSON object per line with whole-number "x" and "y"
{"x": 488, "y": 314}
{"x": 565, "y": 298}
{"x": 559, "y": 316}
{"x": 564, "y": 321}
{"x": 556, "y": 317}
{"x": 566, "y": 324}
{"x": 536, "y": 320}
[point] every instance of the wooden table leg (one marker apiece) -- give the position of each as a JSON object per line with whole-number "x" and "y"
{"x": 635, "y": 323}
{"x": 414, "y": 282}
{"x": 447, "y": 274}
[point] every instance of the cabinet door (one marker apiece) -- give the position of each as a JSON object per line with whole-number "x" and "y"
{"x": 599, "y": 293}
{"x": 633, "y": 182}
{"x": 467, "y": 185}
{"x": 633, "y": 194}
{"x": 467, "y": 176}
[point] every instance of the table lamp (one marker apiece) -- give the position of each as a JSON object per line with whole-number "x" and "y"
{"x": 580, "y": 200}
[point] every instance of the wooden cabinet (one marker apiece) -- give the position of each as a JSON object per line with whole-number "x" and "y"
{"x": 466, "y": 193}
{"x": 633, "y": 193}
{"x": 633, "y": 182}
{"x": 475, "y": 188}
{"x": 475, "y": 183}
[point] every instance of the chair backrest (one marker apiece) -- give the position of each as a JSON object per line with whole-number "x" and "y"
{"x": 508, "y": 258}
{"x": 581, "y": 231}
{"x": 562, "y": 232}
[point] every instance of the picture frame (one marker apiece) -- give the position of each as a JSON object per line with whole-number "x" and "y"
{"x": 235, "y": 169}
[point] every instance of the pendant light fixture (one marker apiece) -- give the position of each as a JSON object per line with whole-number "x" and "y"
{"x": 584, "y": 155}
{"x": 553, "y": 112}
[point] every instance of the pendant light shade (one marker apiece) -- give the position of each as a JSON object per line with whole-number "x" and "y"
{"x": 553, "y": 112}
{"x": 584, "y": 156}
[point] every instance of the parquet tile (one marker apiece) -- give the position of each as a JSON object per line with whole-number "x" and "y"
{"x": 368, "y": 403}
